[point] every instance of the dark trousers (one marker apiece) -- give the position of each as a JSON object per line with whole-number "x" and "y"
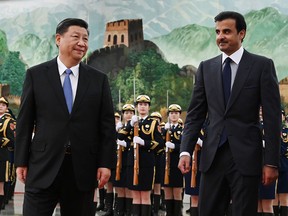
{"x": 223, "y": 182}
{"x": 41, "y": 202}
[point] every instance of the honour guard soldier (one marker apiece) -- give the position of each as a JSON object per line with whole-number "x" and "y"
{"x": 191, "y": 188}
{"x": 266, "y": 193}
{"x": 109, "y": 196}
{"x": 9, "y": 186}
{"x": 7, "y": 135}
{"x": 147, "y": 140}
{"x": 106, "y": 196}
{"x": 162, "y": 204}
{"x": 280, "y": 203}
{"x": 173, "y": 179}
{"x": 159, "y": 172}
{"x": 125, "y": 147}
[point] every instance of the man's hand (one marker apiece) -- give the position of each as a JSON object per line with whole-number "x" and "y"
{"x": 269, "y": 175}
{"x": 184, "y": 164}
{"x": 103, "y": 175}
{"x": 21, "y": 174}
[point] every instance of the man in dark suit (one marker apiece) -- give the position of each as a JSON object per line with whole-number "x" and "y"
{"x": 74, "y": 143}
{"x": 232, "y": 161}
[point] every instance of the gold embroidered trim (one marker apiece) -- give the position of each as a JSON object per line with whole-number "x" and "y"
{"x": 4, "y": 141}
{"x": 176, "y": 135}
{"x": 154, "y": 145}
{"x": 123, "y": 132}
{"x": 151, "y": 130}
{"x": 4, "y": 127}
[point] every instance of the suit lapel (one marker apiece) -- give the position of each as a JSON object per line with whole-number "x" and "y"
{"x": 54, "y": 79}
{"x": 83, "y": 83}
{"x": 242, "y": 73}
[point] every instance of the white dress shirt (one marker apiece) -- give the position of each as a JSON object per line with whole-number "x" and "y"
{"x": 235, "y": 57}
{"x": 74, "y": 76}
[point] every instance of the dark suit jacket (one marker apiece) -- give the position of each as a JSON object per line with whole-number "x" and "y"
{"x": 255, "y": 84}
{"x": 90, "y": 127}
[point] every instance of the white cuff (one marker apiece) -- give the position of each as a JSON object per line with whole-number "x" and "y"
{"x": 185, "y": 154}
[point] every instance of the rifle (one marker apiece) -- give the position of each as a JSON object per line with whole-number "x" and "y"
{"x": 194, "y": 166}
{"x": 167, "y": 159}
{"x": 136, "y": 156}
{"x": 119, "y": 162}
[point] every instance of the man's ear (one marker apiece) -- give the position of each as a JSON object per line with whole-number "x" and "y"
{"x": 242, "y": 34}
{"x": 57, "y": 39}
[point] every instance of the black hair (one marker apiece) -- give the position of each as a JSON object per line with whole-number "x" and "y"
{"x": 239, "y": 18}
{"x": 63, "y": 26}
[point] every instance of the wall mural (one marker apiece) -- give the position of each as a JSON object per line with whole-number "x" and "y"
{"x": 157, "y": 55}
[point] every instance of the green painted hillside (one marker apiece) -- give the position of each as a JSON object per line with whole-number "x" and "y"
{"x": 267, "y": 34}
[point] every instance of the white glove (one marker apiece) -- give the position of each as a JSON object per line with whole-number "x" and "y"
{"x": 119, "y": 125}
{"x": 199, "y": 142}
{"x": 122, "y": 143}
{"x": 134, "y": 119}
{"x": 170, "y": 145}
{"x": 167, "y": 126}
{"x": 138, "y": 140}
{"x": 263, "y": 143}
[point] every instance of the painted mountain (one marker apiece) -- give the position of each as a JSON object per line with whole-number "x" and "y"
{"x": 32, "y": 33}
{"x": 267, "y": 34}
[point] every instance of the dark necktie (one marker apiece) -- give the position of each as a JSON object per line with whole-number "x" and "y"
{"x": 67, "y": 88}
{"x": 226, "y": 80}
